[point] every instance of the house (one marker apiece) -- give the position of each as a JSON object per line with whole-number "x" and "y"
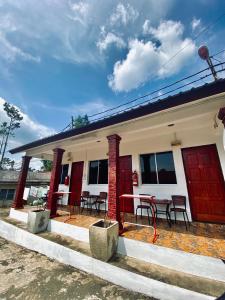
{"x": 9, "y": 180}
{"x": 176, "y": 146}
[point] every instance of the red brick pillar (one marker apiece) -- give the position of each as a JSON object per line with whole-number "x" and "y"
{"x": 18, "y": 199}
{"x": 221, "y": 115}
{"x": 113, "y": 184}
{"x": 54, "y": 182}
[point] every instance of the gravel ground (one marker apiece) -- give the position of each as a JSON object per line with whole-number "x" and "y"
{"x": 25, "y": 275}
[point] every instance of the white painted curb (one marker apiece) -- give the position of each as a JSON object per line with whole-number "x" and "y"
{"x": 118, "y": 276}
{"x": 198, "y": 265}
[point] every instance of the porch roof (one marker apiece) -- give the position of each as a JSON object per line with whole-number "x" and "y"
{"x": 191, "y": 95}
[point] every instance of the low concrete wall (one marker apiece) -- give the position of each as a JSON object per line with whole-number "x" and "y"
{"x": 118, "y": 276}
{"x": 198, "y": 265}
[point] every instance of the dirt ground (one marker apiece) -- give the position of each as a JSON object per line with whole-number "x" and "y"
{"x": 29, "y": 275}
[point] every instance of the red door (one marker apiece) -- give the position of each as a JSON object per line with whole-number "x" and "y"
{"x": 205, "y": 183}
{"x": 76, "y": 182}
{"x": 126, "y": 186}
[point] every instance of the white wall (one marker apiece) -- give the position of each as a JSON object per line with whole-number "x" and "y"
{"x": 148, "y": 143}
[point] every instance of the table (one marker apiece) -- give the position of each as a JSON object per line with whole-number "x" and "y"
{"x": 151, "y": 200}
{"x": 71, "y": 207}
{"x": 167, "y": 203}
{"x": 90, "y": 202}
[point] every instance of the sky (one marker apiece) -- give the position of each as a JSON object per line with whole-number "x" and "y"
{"x": 60, "y": 58}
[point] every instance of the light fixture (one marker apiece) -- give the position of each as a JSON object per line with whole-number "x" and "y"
{"x": 69, "y": 156}
{"x": 215, "y": 124}
{"x": 175, "y": 142}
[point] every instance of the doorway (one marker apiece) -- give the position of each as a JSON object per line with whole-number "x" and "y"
{"x": 205, "y": 183}
{"x": 76, "y": 183}
{"x": 126, "y": 184}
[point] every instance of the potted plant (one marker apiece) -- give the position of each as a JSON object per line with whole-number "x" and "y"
{"x": 38, "y": 218}
{"x": 103, "y": 237}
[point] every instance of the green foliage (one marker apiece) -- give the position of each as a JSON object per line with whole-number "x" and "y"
{"x": 8, "y": 163}
{"x": 80, "y": 121}
{"x": 47, "y": 165}
{"x": 7, "y": 128}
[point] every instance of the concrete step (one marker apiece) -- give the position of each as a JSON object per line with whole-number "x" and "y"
{"x": 152, "y": 280}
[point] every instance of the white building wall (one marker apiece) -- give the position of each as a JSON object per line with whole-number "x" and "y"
{"x": 148, "y": 143}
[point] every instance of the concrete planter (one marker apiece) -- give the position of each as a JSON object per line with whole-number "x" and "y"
{"x": 38, "y": 220}
{"x": 103, "y": 237}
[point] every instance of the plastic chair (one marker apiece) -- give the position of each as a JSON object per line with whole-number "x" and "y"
{"x": 84, "y": 200}
{"x": 144, "y": 205}
{"x": 100, "y": 200}
{"x": 179, "y": 205}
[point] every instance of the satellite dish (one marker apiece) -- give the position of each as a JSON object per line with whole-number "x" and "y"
{"x": 203, "y": 52}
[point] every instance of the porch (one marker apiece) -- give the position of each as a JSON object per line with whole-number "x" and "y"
{"x": 176, "y": 150}
{"x": 202, "y": 238}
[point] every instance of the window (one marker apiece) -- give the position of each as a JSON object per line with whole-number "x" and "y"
{"x": 64, "y": 173}
{"x": 158, "y": 168}
{"x": 98, "y": 172}
{"x": 7, "y": 194}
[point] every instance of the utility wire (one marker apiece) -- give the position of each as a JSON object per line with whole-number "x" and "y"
{"x": 169, "y": 60}
{"x": 180, "y": 50}
{"x": 155, "y": 91}
{"x": 156, "y": 97}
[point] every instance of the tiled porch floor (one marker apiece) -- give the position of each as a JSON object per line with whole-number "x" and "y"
{"x": 201, "y": 238}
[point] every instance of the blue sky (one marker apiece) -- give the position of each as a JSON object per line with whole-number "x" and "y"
{"x": 63, "y": 57}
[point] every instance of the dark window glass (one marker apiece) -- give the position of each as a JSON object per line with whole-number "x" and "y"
{"x": 64, "y": 173}
{"x": 98, "y": 172}
{"x": 165, "y": 168}
{"x": 148, "y": 168}
{"x": 93, "y": 172}
{"x": 158, "y": 168}
{"x": 3, "y": 194}
{"x": 10, "y": 194}
{"x": 103, "y": 172}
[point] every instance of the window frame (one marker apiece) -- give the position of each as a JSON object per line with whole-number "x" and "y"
{"x": 7, "y": 193}
{"x": 98, "y": 160}
{"x": 156, "y": 168}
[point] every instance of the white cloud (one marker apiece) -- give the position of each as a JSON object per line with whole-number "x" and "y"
{"x": 124, "y": 14}
{"x": 29, "y": 130}
{"x": 108, "y": 39}
{"x": 10, "y": 52}
{"x": 147, "y": 60}
{"x": 69, "y": 30}
{"x": 89, "y": 108}
{"x": 146, "y": 27}
{"x": 195, "y": 24}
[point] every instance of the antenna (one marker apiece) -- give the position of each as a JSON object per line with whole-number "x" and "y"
{"x": 203, "y": 52}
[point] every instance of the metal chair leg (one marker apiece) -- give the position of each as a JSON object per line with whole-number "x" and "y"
{"x": 185, "y": 221}
{"x": 136, "y": 214}
{"x": 148, "y": 217}
{"x": 175, "y": 216}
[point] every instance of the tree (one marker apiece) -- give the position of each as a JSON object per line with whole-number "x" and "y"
{"x": 7, "y": 163}
{"x": 3, "y": 131}
{"x": 47, "y": 165}
{"x": 80, "y": 121}
{"x": 15, "y": 117}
